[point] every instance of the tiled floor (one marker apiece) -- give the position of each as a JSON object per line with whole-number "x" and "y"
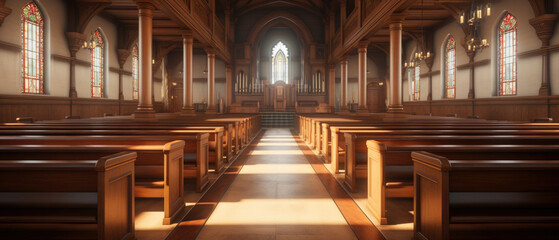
{"x": 276, "y": 195}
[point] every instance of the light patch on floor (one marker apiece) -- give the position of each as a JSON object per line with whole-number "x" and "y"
{"x": 277, "y": 195}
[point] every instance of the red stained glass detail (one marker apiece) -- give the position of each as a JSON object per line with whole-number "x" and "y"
{"x": 32, "y": 49}
{"x": 97, "y": 66}
{"x": 135, "y": 82}
{"x": 507, "y": 56}
{"x": 450, "y": 69}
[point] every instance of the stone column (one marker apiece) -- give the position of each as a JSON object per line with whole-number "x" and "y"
{"x": 187, "y": 103}
{"x": 343, "y": 95}
{"x": 145, "y": 106}
{"x": 229, "y": 85}
{"x": 332, "y": 87}
{"x": 395, "y": 101}
{"x": 362, "y": 80}
{"x": 211, "y": 82}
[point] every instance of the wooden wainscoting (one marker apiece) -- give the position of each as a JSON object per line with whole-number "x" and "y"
{"x": 497, "y": 108}
{"x": 41, "y": 107}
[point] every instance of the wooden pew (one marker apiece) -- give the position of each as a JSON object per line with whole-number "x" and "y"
{"x": 215, "y": 152}
{"x": 473, "y": 196}
{"x": 68, "y": 199}
{"x": 225, "y": 130}
{"x": 357, "y": 150}
{"x": 393, "y": 179}
{"x": 337, "y": 139}
{"x": 195, "y": 149}
{"x": 158, "y": 167}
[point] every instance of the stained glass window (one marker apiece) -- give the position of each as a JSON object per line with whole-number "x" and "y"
{"x": 135, "y": 82}
{"x": 279, "y": 63}
{"x": 450, "y": 69}
{"x": 415, "y": 72}
{"x": 97, "y": 66}
{"x": 32, "y": 49}
{"x": 507, "y": 56}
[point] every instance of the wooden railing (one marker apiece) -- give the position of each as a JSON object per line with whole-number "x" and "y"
{"x": 219, "y": 30}
{"x": 202, "y": 10}
{"x": 351, "y": 25}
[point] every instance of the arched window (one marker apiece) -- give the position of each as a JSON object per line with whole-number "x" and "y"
{"x": 280, "y": 60}
{"x": 507, "y": 56}
{"x": 415, "y": 72}
{"x": 450, "y": 68}
{"x": 97, "y": 64}
{"x": 135, "y": 82}
{"x": 32, "y": 49}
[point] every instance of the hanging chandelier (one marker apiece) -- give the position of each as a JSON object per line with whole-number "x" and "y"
{"x": 472, "y": 19}
{"x": 90, "y": 43}
{"x": 419, "y": 55}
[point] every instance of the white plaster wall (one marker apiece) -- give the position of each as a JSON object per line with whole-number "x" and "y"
{"x": 54, "y": 14}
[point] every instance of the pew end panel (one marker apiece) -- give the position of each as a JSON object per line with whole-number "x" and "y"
{"x": 376, "y": 187}
{"x": 431, "y": 185}
{"x": 173, "y": 190}
{"x": 68, "y": 199}
{"x": 462, "y": 199}
{"x": 116, "y": 195}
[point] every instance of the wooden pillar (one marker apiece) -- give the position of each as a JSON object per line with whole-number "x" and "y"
{"x": 395, "y": 100}
{"x": 472, "y": 91}
{"x": 145, "y": 106}
{"x": 545, "y": 26}
{"x": 123, "y": 55}
{"x": 187, "y": 104}
{"x": 362, "y": 78}
{"x": 229, "y": 84}
{"x": 75, "y": 41}
{"x": 343, "y": 88}
{"x": 211, "y": 82}
{"x": 332, "y": 87}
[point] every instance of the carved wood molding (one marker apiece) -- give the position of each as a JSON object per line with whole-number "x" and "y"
{"x": 4, "y": 11}
{"x": 80, "y": 13}
{"x": 544, "y": 26}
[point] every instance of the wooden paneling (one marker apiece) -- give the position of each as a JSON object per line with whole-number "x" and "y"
{"x": 41, "y": 107}
{"x": 418, "y": 108}
{"x": 461, "y": 107}
{"x": 38, "y": 107}
{"x": 512, "y": 108}
{"x": 86, "y": 108}
{"x": 497, "y": 108}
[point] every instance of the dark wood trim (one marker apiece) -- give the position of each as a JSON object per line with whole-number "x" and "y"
{"x": 428, "y": 74}
{"x": 476, "y": 64}
{"x": 512, "y": 108}
{"x": 10, "y": 46}
{"x": 539, "y": 51}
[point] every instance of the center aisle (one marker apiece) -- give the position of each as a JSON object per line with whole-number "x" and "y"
{"x": 276, "y": 195}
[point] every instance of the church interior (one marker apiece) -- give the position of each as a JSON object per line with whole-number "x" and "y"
{"x": 279, "y": 119}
